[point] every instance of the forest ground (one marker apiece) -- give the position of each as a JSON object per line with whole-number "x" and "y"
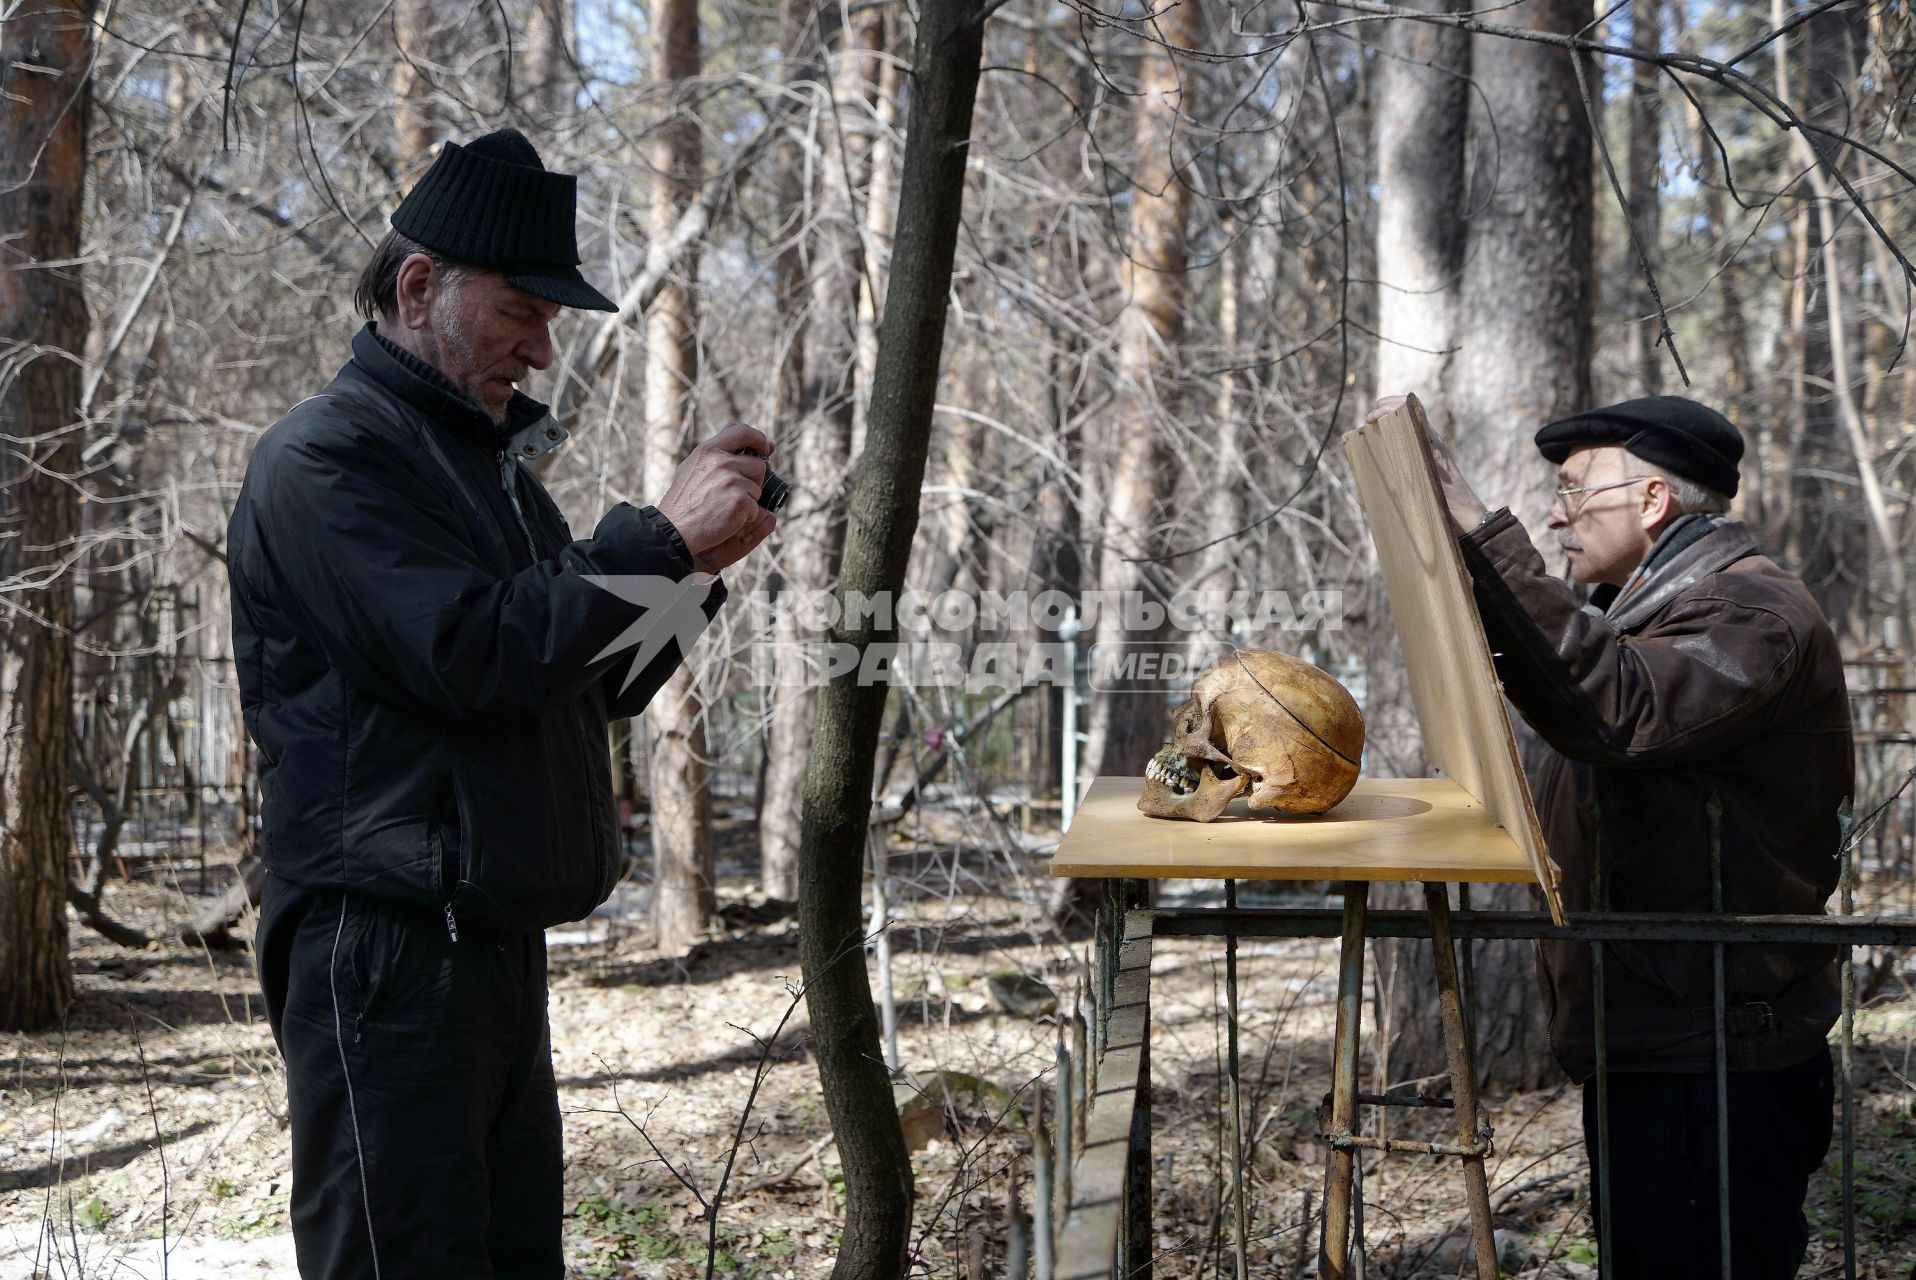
{"x": 173, "y": 1040}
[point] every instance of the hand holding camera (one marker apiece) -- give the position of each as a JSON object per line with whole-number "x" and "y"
{"x": 722, "y": 498}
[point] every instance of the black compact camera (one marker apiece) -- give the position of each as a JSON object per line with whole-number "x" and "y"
{"x": 774, "y": 493}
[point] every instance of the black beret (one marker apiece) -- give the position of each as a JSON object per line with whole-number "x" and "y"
{"x": 493, "y": 203}
{"x": 1681, "y": 436}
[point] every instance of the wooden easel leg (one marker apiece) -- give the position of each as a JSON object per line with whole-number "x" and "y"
{"x": 1463, "y": 1078}
{"x": 1333, "y": 1256}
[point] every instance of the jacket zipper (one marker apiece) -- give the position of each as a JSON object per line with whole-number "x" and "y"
{"x": 509, "y": 481}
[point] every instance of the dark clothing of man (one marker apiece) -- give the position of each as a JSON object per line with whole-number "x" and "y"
{"x": 421, "y": 657}
{"x": 1704, "y": 711}
{"x": 426, "y": 1136}
{"x": 1698, "y": 720}
{"x": 418, "y": 645}
{"x": 1663, "y": 1182}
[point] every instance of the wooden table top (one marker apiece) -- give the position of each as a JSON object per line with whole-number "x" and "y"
{"x": 1386, "y": 829}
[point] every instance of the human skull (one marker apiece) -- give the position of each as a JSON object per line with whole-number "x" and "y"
{"x": 1260, "y": 722}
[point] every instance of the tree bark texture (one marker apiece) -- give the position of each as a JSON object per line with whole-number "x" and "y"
{"x": 1422, "y": 118}
{"x": 45, "y": 52}
{"x": 1127, "y": 725}
{"x": 414, "y": 130}
{"x": 1758, "y": 430}
{"x": 544, "y": 84}
{"x": 883, "y": 519}
{"x": 1422, "y": 122}
{"x": 1827, "y": 538}
{"x": 1524, "y": 343}
{"x": 1645, "y": 377}
{"x": 684, "y": 891}
{"x": 817, "y": 274}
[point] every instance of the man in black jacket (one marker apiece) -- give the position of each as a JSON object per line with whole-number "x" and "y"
{"x": 1699, "y": 761}
{"x": 428, "y": 661}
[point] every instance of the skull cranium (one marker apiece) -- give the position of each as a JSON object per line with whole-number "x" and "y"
{"x": 1262, "y": 723}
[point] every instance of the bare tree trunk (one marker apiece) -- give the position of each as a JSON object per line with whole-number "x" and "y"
{"x": 1736, "y": 334}
{"x": 1523, "y": 359}
{"x": 1422, "y": 116}
{"x": 1827, "y": 538}
{"x": 1645, "y": 206}
{"x": 684, "y": 897}
{"x": 1127, "y": 725}
{"x": 45, "y": 102}
{"x": 817, "y": 282}
{"x": 879, "y": 34}
{"x": 883, "y": 520}
{"x": 1422, "y": 120}
{"x": 414, "y": 132}
{"x": 544, "y": 83}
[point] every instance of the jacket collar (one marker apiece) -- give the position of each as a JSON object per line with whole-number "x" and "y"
{"x": 1680, "y": 559}
{"x": 432, "y": 393}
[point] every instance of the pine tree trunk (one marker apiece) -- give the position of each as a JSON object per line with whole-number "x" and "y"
{"x": 883, "y": 519}
{"x": 1127, "y": 723}
{"x": 1827, "y": 537}
{"x": 414, "y": 130}
{"x": 544, "y": 83}
{"x": 1421, "y": 115}
{"x": 684, "y": 897}
{"x": 1645, "y": 206}
{"x": 45, "y": 51}
{"x": 1758, "y": 427}
{"x": 1524, "y": 339}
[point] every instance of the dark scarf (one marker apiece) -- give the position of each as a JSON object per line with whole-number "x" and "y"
{"x": 1681, "y": 532}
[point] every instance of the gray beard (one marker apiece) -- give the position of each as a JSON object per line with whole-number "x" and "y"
{"x": 467, "y": 381}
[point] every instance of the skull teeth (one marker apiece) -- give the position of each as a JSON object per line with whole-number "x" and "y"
{"x": 1169, "y": 768}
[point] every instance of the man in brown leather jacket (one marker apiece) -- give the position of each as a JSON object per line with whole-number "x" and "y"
{"x": 1697, "y": 719}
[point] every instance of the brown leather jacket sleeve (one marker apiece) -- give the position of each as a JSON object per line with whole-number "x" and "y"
{"x": 1703, "y": 678}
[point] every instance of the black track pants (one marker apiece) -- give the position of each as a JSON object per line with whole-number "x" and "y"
{"x": 1663, "y": 1183}
{"x": 425, "y": 1122}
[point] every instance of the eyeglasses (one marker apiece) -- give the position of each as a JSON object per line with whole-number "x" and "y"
{"x": 1565, "y": 495}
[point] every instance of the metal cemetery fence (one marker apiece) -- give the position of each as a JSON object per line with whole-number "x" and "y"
{"x": 1100, "y": 1140}
{"x": 1103, "y": 1116}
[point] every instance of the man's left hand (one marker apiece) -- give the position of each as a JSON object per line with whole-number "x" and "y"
{"x": 1465, "y": 508}
{"x": 738, "y": 546}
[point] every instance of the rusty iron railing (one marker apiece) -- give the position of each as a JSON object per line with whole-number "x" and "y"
{"x": 1107, "y": 1228}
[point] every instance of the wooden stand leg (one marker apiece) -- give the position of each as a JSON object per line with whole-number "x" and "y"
{"x": 1333, "y": 1257}
{"x": 1463, "y": 1079}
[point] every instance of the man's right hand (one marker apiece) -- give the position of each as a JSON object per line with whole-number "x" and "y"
{"x": 713, "y": 500}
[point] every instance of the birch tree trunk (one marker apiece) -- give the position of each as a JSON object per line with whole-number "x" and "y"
{"x": 1128, "y": 724}
{"x": 883, "y": 519}
{"x": 682, "y": 850}
{"x": 45, "y": 98}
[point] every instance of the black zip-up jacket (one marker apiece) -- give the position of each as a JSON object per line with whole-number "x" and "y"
{"x": 1701, "y": 718}
{"x": 419, "y": 650}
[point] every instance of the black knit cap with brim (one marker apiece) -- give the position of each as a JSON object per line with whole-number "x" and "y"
{"x": 492, "y": 203}
{"x": 1681, "y": 436}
